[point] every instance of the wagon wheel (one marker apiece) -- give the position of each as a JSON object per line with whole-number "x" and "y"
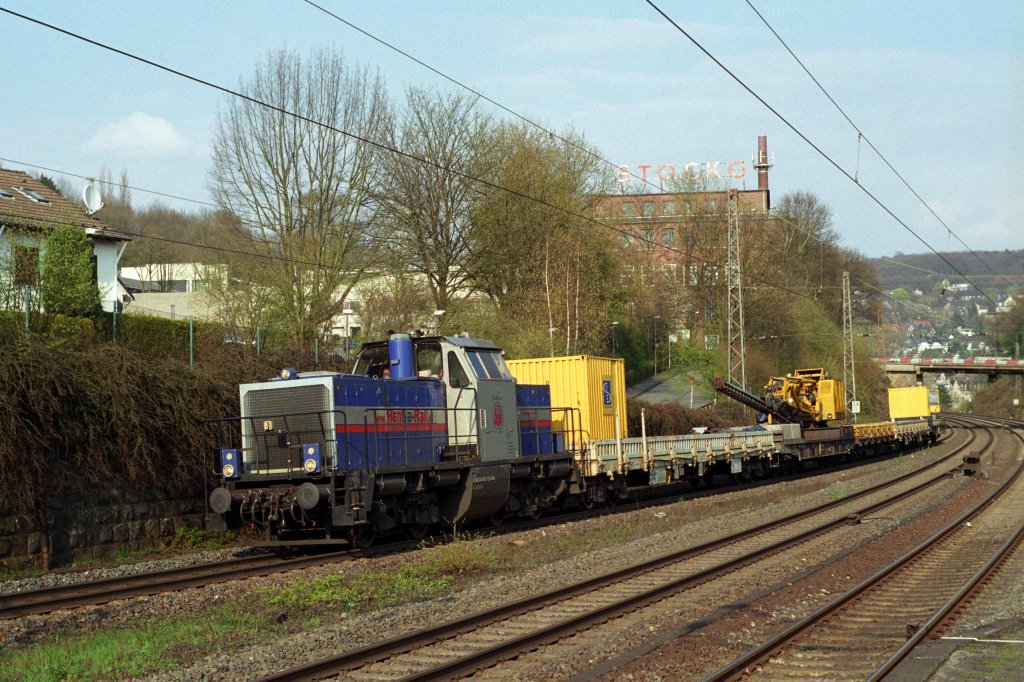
{"x": 416, "y": 531}
{"x": 360, "y": 537}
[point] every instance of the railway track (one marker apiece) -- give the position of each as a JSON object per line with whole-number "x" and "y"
{"x": 866, "y": 632}
{"x": 75, "y": 595}
{"x": 484, "y": 639}
{"x": 17, "y": 604}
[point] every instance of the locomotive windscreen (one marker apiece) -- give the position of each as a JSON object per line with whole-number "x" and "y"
{"x": 301, "y": 413}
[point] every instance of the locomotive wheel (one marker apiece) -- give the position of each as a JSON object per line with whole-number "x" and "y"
{"x": 586, "y": 502}
{"x": 360, "y": 537}
{"x": 497, "y": 518}
{"x": 416, "y": 531}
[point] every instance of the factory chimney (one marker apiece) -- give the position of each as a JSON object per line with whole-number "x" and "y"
{"x": 762, "y": 162}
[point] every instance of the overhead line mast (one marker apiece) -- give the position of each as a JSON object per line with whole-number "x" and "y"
{"x": 849, "y": 373}
{"x": 737, "y": 349}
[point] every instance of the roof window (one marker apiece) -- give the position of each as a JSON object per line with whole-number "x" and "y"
{"x": 5, "y": 194}
{"x": 33, "y": 195}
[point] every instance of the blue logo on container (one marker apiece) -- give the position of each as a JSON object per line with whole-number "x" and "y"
{"x": 606, "y": 389}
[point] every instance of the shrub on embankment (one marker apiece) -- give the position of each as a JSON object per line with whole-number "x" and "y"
{"x": 667, "y": 419}
{"x": 79, "y": 414}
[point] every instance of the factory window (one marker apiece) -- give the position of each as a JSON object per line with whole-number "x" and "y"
{"x": 670, "y": 270}
{"x": 711, "y": 342}
{"x": 710, "y": 205}
{"x": 690, "y": 206}
{"x": 670, "y": 208}
{"x": 693, "y": 275}
{"x": 668, "y": 236}
{"x": 647, "y": 236}
{"x": 648, "y": 208}
{"x": 628, "y": 208}
{"x": 626, "y": 239}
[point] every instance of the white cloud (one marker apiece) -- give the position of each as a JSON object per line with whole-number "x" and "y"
{"x": 138, "y": 134}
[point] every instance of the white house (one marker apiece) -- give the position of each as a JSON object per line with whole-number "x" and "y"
{"x": 28, "y": 211}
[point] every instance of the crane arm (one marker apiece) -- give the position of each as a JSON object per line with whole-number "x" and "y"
{"x": 742, "y": 395}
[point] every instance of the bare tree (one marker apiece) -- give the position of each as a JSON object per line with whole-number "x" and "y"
{"x": 310, "y": 182}
{"x": 429, "y": 204}
{"x": 536, "y": 253}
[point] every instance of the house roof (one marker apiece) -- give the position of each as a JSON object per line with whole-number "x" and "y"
{"x": 18, "y": 209}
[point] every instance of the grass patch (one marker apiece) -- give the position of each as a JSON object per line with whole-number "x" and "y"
{"x": 19, "y": 571}
{"x": 129, "y": 651}
{"x": 198, "y": 540}
{"x": 835, "y": 494}
{"x": 360, "y": 593}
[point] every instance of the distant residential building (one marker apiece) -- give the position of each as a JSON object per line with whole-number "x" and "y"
{"x": 29, "y": 211}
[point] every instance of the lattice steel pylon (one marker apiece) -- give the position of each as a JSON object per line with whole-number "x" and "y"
{"x": 737, "y": 350}
{"x": 849, "y": 373}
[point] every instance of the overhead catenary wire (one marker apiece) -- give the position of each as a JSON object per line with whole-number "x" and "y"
{"x": 861, "y": 135}
{"x": 810, "y": 143}
{"x": 477, "y": 93}
{"x": 354, "y": 136}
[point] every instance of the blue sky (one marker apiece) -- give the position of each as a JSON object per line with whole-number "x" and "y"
{"x": 938, "y": 87}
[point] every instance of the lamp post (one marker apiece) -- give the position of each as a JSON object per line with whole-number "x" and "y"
{"x": 348, "y": 332}
{"x": 437, "y": 322}
{"x": 656, "y": 318}
{"x": 615, "y": 323}
{"x": 551, "y": 338}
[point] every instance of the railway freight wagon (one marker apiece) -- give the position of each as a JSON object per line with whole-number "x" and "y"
{"x": 426, "y": 430}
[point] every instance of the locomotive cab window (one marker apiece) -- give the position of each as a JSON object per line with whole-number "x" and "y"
{"x": 428, "y": 359}
{"x": 488, "y": 364}
{"x": 457, "y": 377}
{"x": 371, "y": 362}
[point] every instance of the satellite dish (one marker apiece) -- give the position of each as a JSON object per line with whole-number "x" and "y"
{"x": 92, "y": 198}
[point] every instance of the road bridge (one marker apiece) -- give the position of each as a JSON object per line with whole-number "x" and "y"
{"x": 992, "y": 366}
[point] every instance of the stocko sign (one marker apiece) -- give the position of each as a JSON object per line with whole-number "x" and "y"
{"x": 668, "y": 171}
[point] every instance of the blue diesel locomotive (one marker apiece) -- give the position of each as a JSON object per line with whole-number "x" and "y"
{"x": 426, "y": 430}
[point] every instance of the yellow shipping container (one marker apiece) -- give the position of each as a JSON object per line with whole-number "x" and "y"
{"x": 914, "y": 401}
{"x": 594, "y": 386}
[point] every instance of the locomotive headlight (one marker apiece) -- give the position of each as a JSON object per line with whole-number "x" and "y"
{"x": 311, "y": 460}
{"x": 229, "y": 462}
{"x": 289, "y": 373}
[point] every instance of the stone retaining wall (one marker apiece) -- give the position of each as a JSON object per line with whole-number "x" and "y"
{"x": 98, "y": 524}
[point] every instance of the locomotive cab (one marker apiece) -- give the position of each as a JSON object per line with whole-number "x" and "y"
{"x": 480, "y": 393}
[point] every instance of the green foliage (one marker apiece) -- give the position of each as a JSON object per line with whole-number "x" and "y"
{"x": 68, "y": 274}
{"x": 833, "y": 494}
{"x": 131, "y": 651}
{"x": 900, "y": 294}
{"x": 198, "y": 540}
{"x": 359, "y": 593}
